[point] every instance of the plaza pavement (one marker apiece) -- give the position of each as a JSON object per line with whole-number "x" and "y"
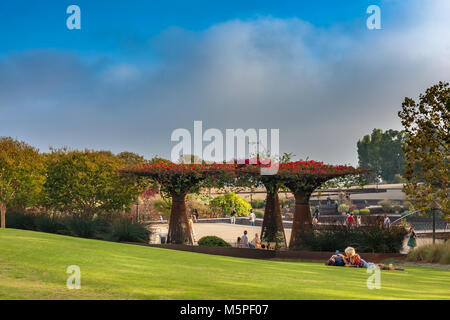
{"x": 230, "y": 232}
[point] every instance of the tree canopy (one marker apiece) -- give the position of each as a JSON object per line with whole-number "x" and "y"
{"x": 382, "y": 153}
{"x": 88, "y": 182}
{"x": 427, "y": 124}
{"x": 229, "y": 201}
{"x": 131, "y": 158}
{"x": 21, "y": 175}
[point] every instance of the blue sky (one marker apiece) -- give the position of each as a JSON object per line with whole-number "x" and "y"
{"x": 137, "y": 70}
{"x": 121, "y": 27}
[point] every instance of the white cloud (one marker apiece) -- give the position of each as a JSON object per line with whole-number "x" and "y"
{"x": 324, "y": 88}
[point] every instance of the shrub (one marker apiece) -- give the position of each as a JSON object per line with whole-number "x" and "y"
{"x": 406, "y": 205}
{"x": 445, "y": 259}
{"x": 286, "y": 203}
{"x": 126, "y": 230}
{"x": 259, "y": 214}
{"x": 85, "y": 226}
{"x": 229, "y": 201}
{"x": 432, "y": 253}
{"x": 386, "y": 205}
{"x": 213, "y": 241}
{"x": 364, "y": 211}
{"x": 398, "y": 178}
{"x": 364, "y": 239}
{"x": 20, "y": 220}
{"x": 257, "y": 204}
{"x": 50, "y": 224}
{"x": 343, "y": 208}
{"x": 118, "y": 229}
{"x": 103, "y": 228}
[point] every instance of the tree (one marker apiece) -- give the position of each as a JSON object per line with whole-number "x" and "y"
{"x": 272, "y": 229}
{"x": 131, "y": 158}
{"x": 177, "y": 180}
{"x": 229, "y": 201}
{"x": 250, "y": 176}
{"x": 301, "y": 178}
{"x": 427, "y": 124}
{"x": 381, "y": 152}
{"x": 21, "y": 175}
{"x": 87, "y": 182}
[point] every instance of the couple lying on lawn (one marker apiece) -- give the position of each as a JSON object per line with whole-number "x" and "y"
{"x": 352, "y": 259}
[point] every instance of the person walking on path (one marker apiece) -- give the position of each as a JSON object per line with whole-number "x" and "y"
{"x": 233, "y": 216}
{"x": 252, "y": 217}
{"x": 412, "y": 243}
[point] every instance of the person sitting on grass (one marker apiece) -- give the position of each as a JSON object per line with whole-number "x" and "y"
{"x": 357, "y": 262}
{"x": 238, "y": 242}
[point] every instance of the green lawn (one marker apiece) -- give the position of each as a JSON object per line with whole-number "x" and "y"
{"x": 33, "y": 266}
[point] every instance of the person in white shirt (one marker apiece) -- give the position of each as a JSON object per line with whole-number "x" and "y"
{"x": 252, "y": 217}
{"x": 233, "y": 216}
{"x": 387, "y": 221}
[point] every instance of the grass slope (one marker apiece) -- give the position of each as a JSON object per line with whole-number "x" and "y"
{"x": 33, "y": 266}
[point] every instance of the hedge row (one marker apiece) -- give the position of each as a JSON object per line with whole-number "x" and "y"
{"x": 363, "y": 239}
{"x": 117, "y": 229}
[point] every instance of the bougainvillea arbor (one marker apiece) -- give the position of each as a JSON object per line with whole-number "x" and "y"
{"x": 249, "y": 174}
{"x": 177, "y": 180}
{"x": 300, "y": 177}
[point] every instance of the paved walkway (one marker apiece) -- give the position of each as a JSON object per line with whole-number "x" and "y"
{"x": 226, "y": 231}
{"x": 230, "y": 232}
